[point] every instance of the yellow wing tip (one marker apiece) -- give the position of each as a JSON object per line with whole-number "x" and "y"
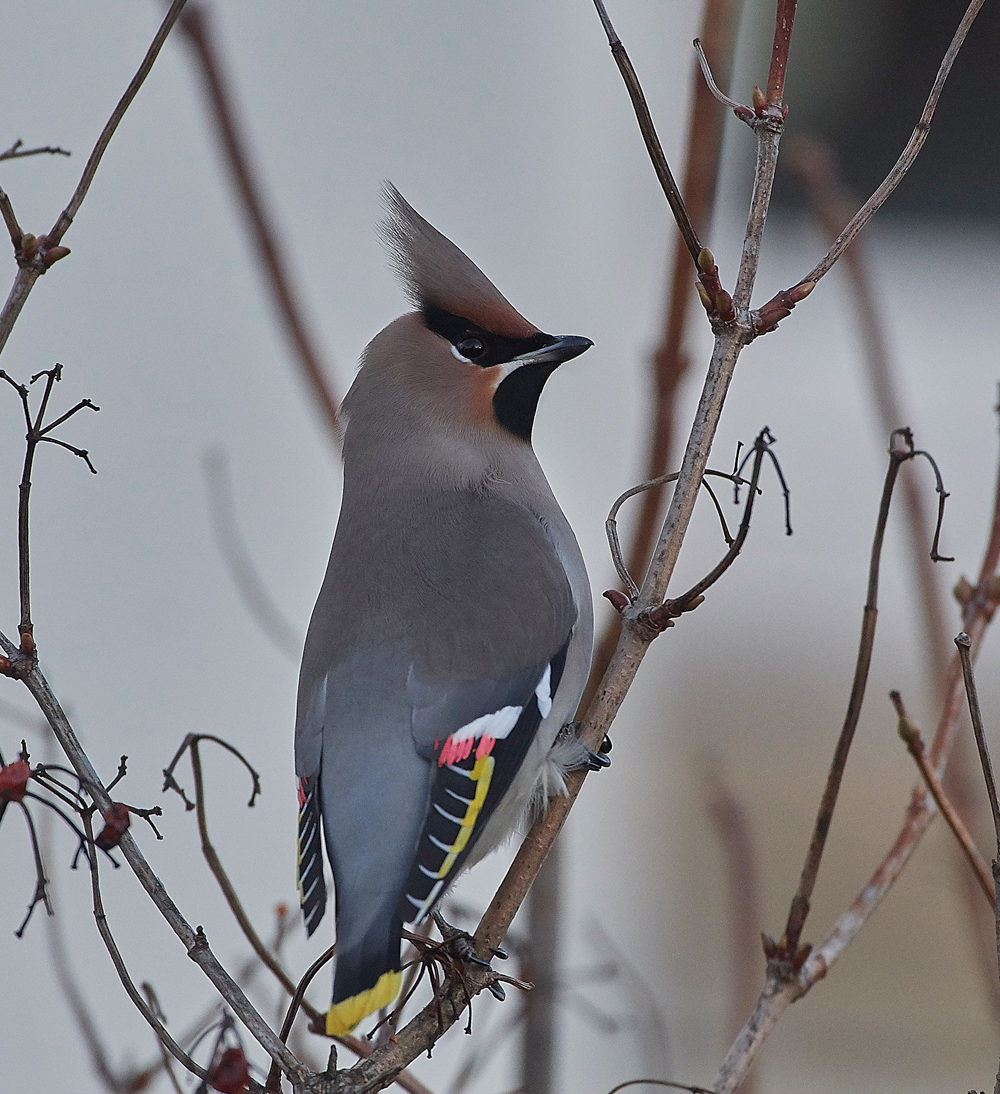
{"x": 342, "y": 1017}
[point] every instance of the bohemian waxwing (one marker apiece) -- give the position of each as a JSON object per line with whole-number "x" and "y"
{"x": 453, "y": 632}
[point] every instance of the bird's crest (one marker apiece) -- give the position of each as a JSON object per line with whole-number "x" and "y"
{"x": 434, "y": 271}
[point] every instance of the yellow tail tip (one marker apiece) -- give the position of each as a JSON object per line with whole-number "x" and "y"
{"x": 342, "y": 1017}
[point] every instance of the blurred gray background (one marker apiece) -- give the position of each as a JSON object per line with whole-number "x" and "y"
{"x": 508, "y": 127}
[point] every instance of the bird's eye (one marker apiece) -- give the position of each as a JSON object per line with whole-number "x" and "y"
{"x": 471, "y": 348}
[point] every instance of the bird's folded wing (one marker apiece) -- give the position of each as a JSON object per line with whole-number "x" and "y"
{"x": 476, "y": 755}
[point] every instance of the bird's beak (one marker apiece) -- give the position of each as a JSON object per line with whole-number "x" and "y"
{"x": 562, "y": 347}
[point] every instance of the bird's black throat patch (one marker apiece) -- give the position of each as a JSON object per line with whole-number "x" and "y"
{"x": 516, "y": 398}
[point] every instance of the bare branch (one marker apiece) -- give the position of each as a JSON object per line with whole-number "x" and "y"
{"x": 907, "y": 156}
{"x": 35, "y": 256}
{"x": 16, "y": 152}
{"x": 270, "y": 252}
{"x": 195, "y": 942}
{"x": 93, "y": 162}
{"x": 783, "y": 20}
{"x": 133, "y": 993}
{"x": 648, "y": 130}
{"x": 670, "y": 361}
{"x": 784, "y": 984}
{"x": 915, "y": 746}
{"x": 964, "y": 644}
{"x": 900, "y": 450}
{"x": 238, "y": 561}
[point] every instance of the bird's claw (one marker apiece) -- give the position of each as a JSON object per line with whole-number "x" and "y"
{"x": 596, "y": 761}
{"x": 496, "y": 990}
{"x": 460, "y": 942}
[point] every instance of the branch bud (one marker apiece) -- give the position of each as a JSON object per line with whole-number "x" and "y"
{"x": 963, "y": 591}
{"x": 618, "y": 600}
{"x": 910, "y": 735}
{"x": 800, "y": 292}
{"x": 706, "y": 260}
{"x": 29, "y": 243}
{"x": 724, "y": 303}
{"x": 759, "y": 102}
{"x": 53, "y": 254}
{"x": 707, "y": 301}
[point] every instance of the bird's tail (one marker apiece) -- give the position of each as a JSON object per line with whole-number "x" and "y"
{"x": 367, "y": 977}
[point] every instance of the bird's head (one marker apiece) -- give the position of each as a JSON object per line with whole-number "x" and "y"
{"x": 465, "y": 362}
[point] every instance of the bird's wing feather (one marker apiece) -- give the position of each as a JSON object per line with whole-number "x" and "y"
{"x": 476, "y": 763}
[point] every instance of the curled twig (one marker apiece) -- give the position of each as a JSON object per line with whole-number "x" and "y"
{"x": 664, "y": 615}
{"x": 660, "y": 1082}
{"x": 611, "y": 524}
{"x": 744, "y": 113}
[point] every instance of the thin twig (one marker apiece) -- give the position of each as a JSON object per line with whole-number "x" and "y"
{"x": 37, "y": 432}
{"x": 670, "y": 609}
{"x": 41, "y": 893}
{"x": 906, "y": 158}
{"x": 195, "y": 942}
{"x": 732, "y": 826}
{"x": 266, "y": 240}
{"x": 238, "y": 561}
{"x": 900, "y": 450}
{"x": 227, "y": 887}
{"x": 168, "y": 1065}
{"x": 16, "y": 152}
{"x": 670, "y": 360}
{"x": 816, "y": 168}
{"x": 963, "y": 642}
{"x": 713, "y": 87}
{"x": 34, "y": 256}
{"x": 61, "y": 226}
{"x": 298, "y": 997}
{"x": 652, "y": 141}
{"x": 784, "y": 985}
{"x": 131, "y": 990}
{"x": 659, "y": 1082}
{"x": 915, "y": 746}
{"x": 611, "y": 524}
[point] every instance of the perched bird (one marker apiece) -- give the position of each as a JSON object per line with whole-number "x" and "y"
{"x": 453, "y": 631}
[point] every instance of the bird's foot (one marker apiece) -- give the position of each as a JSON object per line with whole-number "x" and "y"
{"x": 595, "y": 761}
{"x": 462, "y": 946}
